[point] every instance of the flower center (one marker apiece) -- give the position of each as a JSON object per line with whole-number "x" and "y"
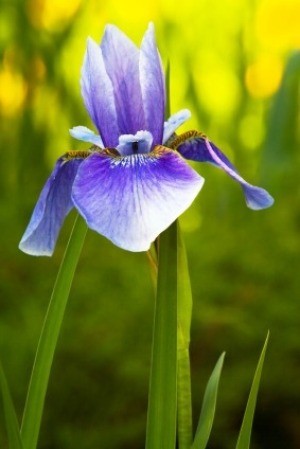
{"x": 139, "y": 143}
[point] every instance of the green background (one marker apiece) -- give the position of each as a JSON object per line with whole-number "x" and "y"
{"x": 235, "y": 65}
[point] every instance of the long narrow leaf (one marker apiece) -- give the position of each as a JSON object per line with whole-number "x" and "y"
{"x": 208, "y": 407}
{"x": 45, "y": 352}
{"x": 245, "y": 432}
{"x": 185, "y": 435}
{"x": 12, "y": 424}
{"x": 162, "y": 403}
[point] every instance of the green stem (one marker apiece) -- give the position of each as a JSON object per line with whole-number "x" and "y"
{"x": 162, "y": 405}
{"x": 185, "y": 303}
{"x": 48, "y": 339}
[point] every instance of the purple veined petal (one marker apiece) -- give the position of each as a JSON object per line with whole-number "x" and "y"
{"x": 132, "y": 199}
{"x": 174, "y": 122}
{"x": 86, "y": 135}
{"x": 98, "y": 95}
{"x": 152, "y": 85}
{"x": 201, "y": 150}
{"x": 51, "y": 209}
{"x": 140, "y": 143}
{"x": 121, "y": 58}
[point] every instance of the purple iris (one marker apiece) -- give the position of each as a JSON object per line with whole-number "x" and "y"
{"x": 134, "y": 181}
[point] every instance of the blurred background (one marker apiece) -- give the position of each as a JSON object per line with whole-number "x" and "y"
{"x": 236, "y": 66}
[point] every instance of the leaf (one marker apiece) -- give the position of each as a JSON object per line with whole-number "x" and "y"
{"x": 162, "y": 403}
{"x": 208, "y": 407}
{"x": 245, "y": 432}
{"x": 12, "y": 424}
{"x": 33, "y": 411}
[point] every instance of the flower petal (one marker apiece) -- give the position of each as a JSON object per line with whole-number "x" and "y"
{"x": 174, "y": 122}
{"x": 153, "y": 86}
{"x": 132, "y": 199}
{"x": 132, "y": 144}
{"x": 98, "y": 95}
{"x": 87, "y": 135}
{"x": 198, "y": 148}
{"x": 121, "y": 58}
{"x": 51, "y": 209}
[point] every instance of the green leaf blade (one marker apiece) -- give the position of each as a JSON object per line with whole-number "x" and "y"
{"x": 162, "y": 403}
{"x": 12, "y": 424}
{"x": 246, "y": 428}
{"x": 33, "y": 410}
{"x": 208, "y": 407}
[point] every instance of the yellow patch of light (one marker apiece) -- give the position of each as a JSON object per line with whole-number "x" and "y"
{"x": 251, "y": 131}
{"x": 278, "y": 24}
{"x": 263, "y": 76}
{"x": 218, "y": 87}
{"x": 132, "y": 12}
{"x": 13, "y": 91}
{"x": 51, "y": 14}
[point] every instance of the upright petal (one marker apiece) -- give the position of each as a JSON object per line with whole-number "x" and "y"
{"x": 153, "y": 86}
{"x": 98, "y": 95}
{"x": 121, "y": 58}
{"x": 51, "y": 209}
{"x": 198, "y": 148}
{"x": 132, "y": 199}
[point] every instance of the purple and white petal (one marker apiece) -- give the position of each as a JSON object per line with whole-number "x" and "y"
{"x": 98, "y": 95}
{"x": 200, "y": 149}
{"x": 140, "y": 143}
{"x": 121, "y": 58}
{"x": 174, "y": 122}
{"x": 152, "y": 85}
{"x": 86, "y": 135}
{"x": 51, "y": 209}
{"x": 132, "y": 199}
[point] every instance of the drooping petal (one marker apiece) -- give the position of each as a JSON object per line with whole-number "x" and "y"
{"x": 86, "y": 135}
{"x": 132, "y": 199}
{"x": 131, "y": 144}
{"x": 121, "y": 58}
{"x": 51, "y": 209}
{"x": 198, "y": 148}
{"x": 174, "y": 122}
{"x": 98, "y": 95}
{"x": 153, "y": 86}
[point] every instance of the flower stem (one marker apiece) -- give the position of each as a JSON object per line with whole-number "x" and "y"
{"x": 185, "y": 435}
{"x": 48, "y": 339}
{"x": 162, "y": 405}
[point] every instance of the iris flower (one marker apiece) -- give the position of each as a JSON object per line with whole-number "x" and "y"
{"x": 134, "y": 181}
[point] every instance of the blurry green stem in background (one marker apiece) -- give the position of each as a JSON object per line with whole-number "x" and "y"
{"x": 48, "y": 339}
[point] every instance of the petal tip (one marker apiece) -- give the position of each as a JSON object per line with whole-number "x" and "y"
{"x": 257, "y": 198}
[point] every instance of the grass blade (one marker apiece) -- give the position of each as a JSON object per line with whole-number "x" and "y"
{"x": 245, "y": 432}
{"x": 208, "y": 407}
{"x": 12, "y": 424}
{"x": 45, "y": 352}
